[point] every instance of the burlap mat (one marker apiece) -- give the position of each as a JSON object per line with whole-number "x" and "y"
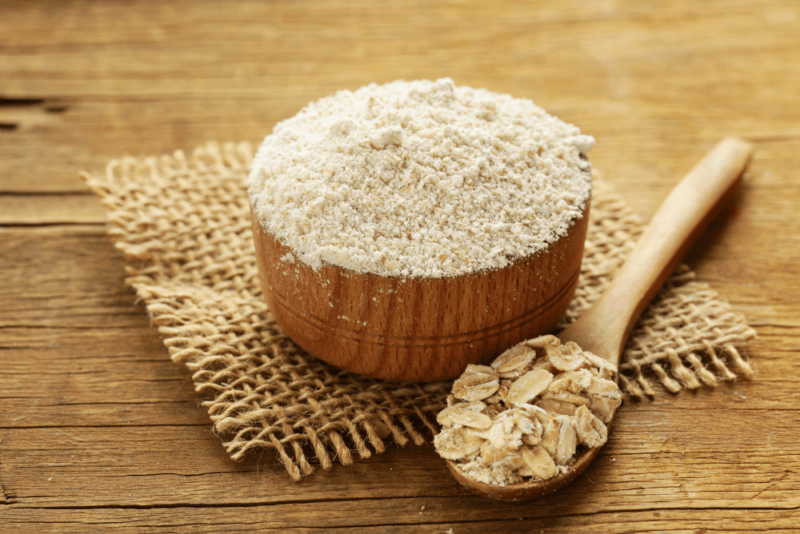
{"x": 184, "y": 225}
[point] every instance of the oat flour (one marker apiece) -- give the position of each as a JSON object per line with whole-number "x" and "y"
{"x": 420, "y": 179}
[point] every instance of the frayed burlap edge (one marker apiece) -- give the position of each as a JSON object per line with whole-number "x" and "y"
{"x": 687, "y": 337}
{"x": 183, "y": 223}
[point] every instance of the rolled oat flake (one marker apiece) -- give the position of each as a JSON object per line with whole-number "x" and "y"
{"x": 420, "y": 179}
{"x": 547, "y": 400}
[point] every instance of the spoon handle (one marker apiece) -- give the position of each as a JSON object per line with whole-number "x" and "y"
{"x": 682, "y": 217}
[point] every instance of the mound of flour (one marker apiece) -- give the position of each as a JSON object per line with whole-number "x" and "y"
{"x": 420, "y": 179}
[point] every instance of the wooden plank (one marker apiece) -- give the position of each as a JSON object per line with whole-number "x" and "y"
{"x": 650, "y": 145}
{"x": 77, "y": 349}
{"x": 765, "y": 197}
{"x": 647, "y": 464}
{"x": 31, "y": 210}
{"x": 117, "y": 380}
{"x": 655, "y": 474}
{"x": 99, "y": 429}
{"x": 63, "y": 277}
{"x": 748, "y": 211}
{"x": 123, "y": 87}
{"x": 323, "y": 518}
{"x": 300, "y": 44}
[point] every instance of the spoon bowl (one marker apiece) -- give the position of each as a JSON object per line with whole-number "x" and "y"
{"x": 605, "y": 327}
{"x": 523, "y": 491}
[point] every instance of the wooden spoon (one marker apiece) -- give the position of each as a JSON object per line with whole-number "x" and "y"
{"x": 605, "y": 327}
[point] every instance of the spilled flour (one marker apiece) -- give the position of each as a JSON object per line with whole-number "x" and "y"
{"x": 420, "y": 179}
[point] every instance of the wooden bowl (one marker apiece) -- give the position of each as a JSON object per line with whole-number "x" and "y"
{"x": 419, "y": 329}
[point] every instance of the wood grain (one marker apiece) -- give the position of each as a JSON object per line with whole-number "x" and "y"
{"x": 100, "y": 431}
{"x": 420, "y": 329}
{"x": 686, "y": 212}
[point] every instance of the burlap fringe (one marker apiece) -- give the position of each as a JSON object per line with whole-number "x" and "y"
{"x": 687, "y": 337}
{"x": 184, "y": 222}
{"x": 683, "y": 361}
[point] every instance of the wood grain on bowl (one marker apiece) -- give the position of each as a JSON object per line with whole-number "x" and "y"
{"x": 420, "y": 329}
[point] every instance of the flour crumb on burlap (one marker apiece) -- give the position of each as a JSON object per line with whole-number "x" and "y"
{"x": 420, "y": 179}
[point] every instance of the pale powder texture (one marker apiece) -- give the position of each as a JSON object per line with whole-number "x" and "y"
{"x": 420, "y": 179}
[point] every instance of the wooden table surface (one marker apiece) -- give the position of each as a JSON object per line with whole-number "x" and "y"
{"x": 99, "y": 430}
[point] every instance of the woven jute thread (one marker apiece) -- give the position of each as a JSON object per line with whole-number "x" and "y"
{"x": 183, "y": 223}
